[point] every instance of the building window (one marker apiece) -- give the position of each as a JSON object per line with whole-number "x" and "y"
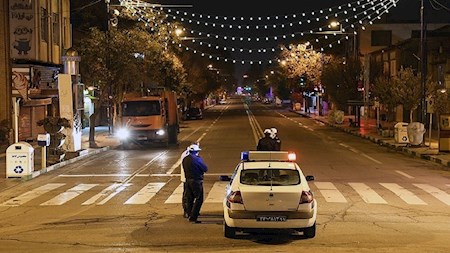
{"x": 44, "y": 24}
{"x": 381, "y": 38}
{"x": 56, "y": 30}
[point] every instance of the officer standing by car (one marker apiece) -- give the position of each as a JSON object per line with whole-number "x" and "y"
{"x": 194, "y": 168}
{"x": 275, "y": 140}
{"x": 266, "y": 143}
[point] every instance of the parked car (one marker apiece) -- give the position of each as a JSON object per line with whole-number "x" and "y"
{"x": 193, "y": 113}
{"x": 268, "y": 190}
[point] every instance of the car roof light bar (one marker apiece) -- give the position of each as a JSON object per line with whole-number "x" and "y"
{"x": 267, "y": 156}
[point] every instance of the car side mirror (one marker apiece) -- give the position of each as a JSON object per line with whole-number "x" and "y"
{"x": 225, "y": 178}
{"x": 309, "y": 178}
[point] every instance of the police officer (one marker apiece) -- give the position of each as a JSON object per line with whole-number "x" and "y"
{"x": 266, "y": 143}
{"x": 275, "y": 140}
{"x": 194, "y": 168}
{"x": 183, "y": 180}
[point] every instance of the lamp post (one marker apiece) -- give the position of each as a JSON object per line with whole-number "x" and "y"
{"x": 336, "y": 24}
{"x": 423, "y": 62}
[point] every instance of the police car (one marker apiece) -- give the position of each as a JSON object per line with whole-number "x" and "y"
{"x": 268, "y": 190}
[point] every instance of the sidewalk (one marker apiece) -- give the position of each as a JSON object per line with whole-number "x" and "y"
{"x": 103, "y": 139}
{"x": 368, "y": 130}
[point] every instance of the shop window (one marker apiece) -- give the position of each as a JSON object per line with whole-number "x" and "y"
{"x": 44, "y": 24}
{"x": 56, "y": 30}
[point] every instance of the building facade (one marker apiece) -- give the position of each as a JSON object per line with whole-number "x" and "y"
{"x": 39, "y": 34}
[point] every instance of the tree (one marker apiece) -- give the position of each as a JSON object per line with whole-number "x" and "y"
{"x": 301, "y": 60}
{"x": 408, "y": 87}
{"x": 341, "y": 81}
{"x": 127, "y": 61}
{"x": 384, "y": 92}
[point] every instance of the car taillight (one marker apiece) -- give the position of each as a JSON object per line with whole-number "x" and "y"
{"x": 235, "y": 197}
{"x": 307, "y": 197}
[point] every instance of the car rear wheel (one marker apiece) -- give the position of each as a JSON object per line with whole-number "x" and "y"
{"x": 229, "y": 232}
{"x": 310, "y": 232}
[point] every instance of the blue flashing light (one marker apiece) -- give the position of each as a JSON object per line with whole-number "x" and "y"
{"x": 244, "y": 155}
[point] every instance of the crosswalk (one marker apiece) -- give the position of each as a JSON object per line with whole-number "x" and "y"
{"x": 57, "y": 194}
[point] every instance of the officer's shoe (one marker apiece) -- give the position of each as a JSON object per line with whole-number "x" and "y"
{"x": 194, "y": 221}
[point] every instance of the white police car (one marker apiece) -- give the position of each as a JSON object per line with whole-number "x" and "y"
{"x": 268, "y": 190}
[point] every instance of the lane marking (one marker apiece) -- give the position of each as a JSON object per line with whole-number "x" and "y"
{"x": 145, "y": 194}
{"x": 24, "y": 198}
{"x": 357, "y": 152}
{"x": 367, "y": 194}
{"x": 437, "y": 193}
{"x": 330, "y": 192}
{"x": 217, "y": 193}
{"x": 404, "y": 194}
{"x": 69, "y": 195}
{"x": 176, "y": 196}
{"x": 116, "y": 191}
{"x": 371, "y": 158}
{"x": 404, "y": 174}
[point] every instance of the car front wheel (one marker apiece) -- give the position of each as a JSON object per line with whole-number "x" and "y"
{"x": 310, "y": 232}
{"x": 229, "y": 231}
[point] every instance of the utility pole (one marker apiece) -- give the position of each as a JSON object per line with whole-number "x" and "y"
{"x": 423, "y": 61}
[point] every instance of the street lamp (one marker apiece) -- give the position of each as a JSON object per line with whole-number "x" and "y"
{"x": 336, "y": 24}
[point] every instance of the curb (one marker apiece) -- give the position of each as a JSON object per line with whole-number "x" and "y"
{"x": 380, "y": 141}
{"x": 64, "y": 163}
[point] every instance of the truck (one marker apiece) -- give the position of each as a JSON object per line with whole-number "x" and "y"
{"x": 153, "y": 118}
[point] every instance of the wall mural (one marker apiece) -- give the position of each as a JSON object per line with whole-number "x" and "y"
{"x": 22, "y": 29}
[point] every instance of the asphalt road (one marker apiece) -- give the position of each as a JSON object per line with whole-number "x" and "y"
{"x": 371, "y": 199}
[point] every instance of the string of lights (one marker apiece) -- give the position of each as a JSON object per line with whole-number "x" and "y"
{"x": 379, "y": 11}
{"x": 266, "y": 26}
{"x": 364, "y": 14}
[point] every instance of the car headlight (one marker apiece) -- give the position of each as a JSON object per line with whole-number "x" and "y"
{"x": 123, "y": 133}
{"x": 160, "y": 132}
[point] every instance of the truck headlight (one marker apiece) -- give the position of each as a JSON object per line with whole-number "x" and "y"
{"x": 160, "y": 132}
{"x": 123, "y": 133}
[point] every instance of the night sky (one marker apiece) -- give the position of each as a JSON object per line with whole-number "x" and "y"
{"x": 406, "y": 11}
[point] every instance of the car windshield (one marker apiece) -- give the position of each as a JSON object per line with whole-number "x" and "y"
{"x": 272, "y": 176}
{"x": 141, "y": 108}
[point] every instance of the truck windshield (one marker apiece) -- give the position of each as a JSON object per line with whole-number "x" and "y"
{"x": 141, "y": 108}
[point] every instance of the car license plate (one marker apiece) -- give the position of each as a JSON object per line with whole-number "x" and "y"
{"x": 271, "y": 218}
{"x": 142, "y": 138}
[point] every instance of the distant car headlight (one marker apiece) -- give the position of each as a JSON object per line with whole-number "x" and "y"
{"x": 123, "y": 133}
{"x": 160, "y": 132}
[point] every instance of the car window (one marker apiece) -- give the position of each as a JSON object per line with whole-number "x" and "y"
{"x": 272, "y": 176}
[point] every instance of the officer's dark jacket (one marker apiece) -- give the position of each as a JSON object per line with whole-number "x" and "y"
{"x": 265, "y": 144}
{"x": 194, "y": 167}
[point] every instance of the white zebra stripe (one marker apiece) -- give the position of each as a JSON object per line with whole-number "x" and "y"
{"x": 68, "y": 195}
{"x": 22, "y": 199}
{"x": 404, "y": 194}
{"x": 330, "y": 192}
{"x": 367, "y": 194}
{"x": 145, "y": 194}
{"x": 217, "y": 193}
{"x": 437, "y": 193}
{"x": 176, "y": 196}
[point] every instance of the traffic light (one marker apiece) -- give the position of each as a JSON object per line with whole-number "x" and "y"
{"x": 302, "y": 80}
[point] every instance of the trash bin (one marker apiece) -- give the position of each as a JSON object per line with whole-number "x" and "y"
{"x": 19, "y": 160}
{"x": 415, "y": 133}
{"x": 401, "y": 133}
